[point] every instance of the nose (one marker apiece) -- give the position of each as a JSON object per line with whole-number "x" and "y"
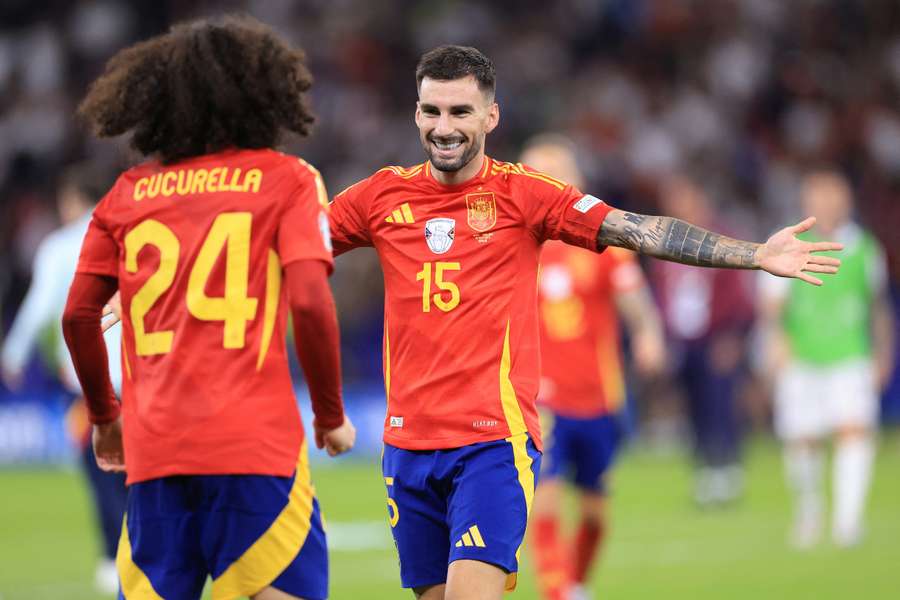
{"x": 443, "y": 126}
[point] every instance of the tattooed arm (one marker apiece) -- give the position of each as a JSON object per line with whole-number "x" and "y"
{"x": 678, "y": 241}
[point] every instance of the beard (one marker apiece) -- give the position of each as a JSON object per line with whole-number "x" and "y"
{"x": 452, "y": 165}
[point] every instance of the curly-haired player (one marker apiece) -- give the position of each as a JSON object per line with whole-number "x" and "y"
{"x": 211, "y": 242}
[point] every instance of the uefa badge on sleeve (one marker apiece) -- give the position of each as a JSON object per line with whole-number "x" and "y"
{"x": 439, "y": 234}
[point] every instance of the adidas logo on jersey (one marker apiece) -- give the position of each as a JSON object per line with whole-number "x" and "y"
{"x": 401, "y": 215}
{"x": 472, "y": 538}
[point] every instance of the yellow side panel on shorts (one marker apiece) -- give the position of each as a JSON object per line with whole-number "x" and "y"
{"x": 523, "y": 464}
{"x": 135, "y": 585}
{"x": 264, "y": 561}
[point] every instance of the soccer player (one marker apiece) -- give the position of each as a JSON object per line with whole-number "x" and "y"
{"x": 459, "y": 237}
{"x": 211, "y": 242}
{"x": 580, "y": 295}
{"x": 827, "y": 379}
{"x": 80, "y": 188}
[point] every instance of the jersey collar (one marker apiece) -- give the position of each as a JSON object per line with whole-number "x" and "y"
{"x": 481, "y": 176}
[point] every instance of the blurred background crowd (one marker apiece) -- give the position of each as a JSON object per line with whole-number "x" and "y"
{"x": 742, "y": 95}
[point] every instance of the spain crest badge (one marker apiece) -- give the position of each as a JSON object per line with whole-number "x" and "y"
{"x": 481, "y": 211}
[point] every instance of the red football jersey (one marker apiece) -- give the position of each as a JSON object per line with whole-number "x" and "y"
{"x": 198, "y": 248}
{"x": 581, "y": 370}
{"x": 460, "y": 263}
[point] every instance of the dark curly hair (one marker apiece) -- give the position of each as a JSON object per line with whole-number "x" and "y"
{"x": 446, "y": 63}
{"x": 203, "y": 86}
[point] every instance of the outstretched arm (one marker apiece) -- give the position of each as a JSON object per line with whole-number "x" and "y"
{"x": 678, "y": 241}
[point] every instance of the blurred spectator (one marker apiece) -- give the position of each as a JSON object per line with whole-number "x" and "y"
{"x": 707, "y": 313}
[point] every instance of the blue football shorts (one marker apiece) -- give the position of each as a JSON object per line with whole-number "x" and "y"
{"x": 580, "y": 450}
{"x": 246, "y": 532}
{"x": 461, "y": 503}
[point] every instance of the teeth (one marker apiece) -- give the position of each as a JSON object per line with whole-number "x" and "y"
{"x": 450, "y": 146}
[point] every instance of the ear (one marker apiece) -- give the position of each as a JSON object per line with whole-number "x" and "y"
{"x": 493, "y": 118}
{"x": 418, "y": 118}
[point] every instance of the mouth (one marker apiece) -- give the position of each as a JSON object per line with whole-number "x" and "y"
{"x": 446, "y": 146}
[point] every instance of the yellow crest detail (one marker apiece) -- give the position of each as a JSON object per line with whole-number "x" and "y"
{"x": 481, "y": 211}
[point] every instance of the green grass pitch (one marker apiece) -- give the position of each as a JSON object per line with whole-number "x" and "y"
{"x": 660, "y": 545}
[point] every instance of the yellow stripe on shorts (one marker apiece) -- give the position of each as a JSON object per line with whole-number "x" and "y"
{"x": 135, "y": 584}
{"x": 523, "y": 464}
{"x": 271, "y": 554}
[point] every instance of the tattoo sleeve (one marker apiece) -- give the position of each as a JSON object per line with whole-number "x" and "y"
{"x": 675, "y": 240}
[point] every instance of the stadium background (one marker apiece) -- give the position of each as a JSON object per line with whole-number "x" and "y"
{"x": 742, "y": 94}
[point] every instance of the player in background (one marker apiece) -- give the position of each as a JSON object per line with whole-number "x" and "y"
{"x": 707, "y": 315}
{"x": 211, "y": 241}
{"x": 581, "y": 295}
{"x": 80, "y": 188}
{"x": 459, "y": 237}
{"x": 828, "y": 378}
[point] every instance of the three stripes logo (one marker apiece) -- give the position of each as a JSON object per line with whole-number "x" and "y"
{"x": 472, "y": 538}
{"x": 401, "y": 215}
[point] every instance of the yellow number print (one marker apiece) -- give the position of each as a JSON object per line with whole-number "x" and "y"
{"x": 152, "y": 233}
{"x": 393, "y": 509}
{"x": 231, "y": 231}
{"x": 445, "y": 286}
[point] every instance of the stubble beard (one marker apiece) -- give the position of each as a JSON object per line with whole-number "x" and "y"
{"x": 454, "y": 166}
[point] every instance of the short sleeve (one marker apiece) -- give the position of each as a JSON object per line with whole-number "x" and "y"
{"x": 303, "y": 233}
{"x": 562, "y": 212}
{"x": 348, "y": 216}
{"x": 99, "y": 250}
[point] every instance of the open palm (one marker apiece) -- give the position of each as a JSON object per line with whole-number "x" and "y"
{"x": 785, "y": 255}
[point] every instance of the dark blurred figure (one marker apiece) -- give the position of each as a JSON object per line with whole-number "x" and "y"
{"x": 706, "y": 313}
{"x": 81, "y": 186}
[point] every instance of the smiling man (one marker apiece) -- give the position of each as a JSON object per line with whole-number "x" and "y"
{"x": 459, "y": 237}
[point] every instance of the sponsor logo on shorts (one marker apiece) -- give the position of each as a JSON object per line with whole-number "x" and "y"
{"x": 396, "y": 421}
{"x": 586, "y": 203}
{"x": 471, "y": 538}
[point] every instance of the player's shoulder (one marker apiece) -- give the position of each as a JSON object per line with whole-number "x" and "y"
{"x": 521, "y": 174}
{"x": 386, "y": 178}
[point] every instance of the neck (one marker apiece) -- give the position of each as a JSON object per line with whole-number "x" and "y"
{"x": 463, "y": 175}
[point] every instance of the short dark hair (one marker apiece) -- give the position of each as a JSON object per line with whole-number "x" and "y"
{"x": 90, "y": 180}
{"x": 204, "y": 86}
{"x": 446, "y": 63}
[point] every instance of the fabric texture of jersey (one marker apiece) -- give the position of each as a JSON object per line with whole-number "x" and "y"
{"x": 463, "y": 503}
{"x": 581, "y": 449}
{"x": 246, "y": 532}
{"x": 581, "y": 366}
{"x": 198, "y": 248}
{"x": 460, "y": 262}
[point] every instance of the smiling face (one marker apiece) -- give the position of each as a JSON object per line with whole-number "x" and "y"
{"x": 453, "y": 118}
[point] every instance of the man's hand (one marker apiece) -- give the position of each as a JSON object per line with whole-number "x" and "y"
{"x": 338, "y": 440}
{"x": 108, "y": 450}
{"x": 112, "y": 312}
{"x": 786, "y": 256}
